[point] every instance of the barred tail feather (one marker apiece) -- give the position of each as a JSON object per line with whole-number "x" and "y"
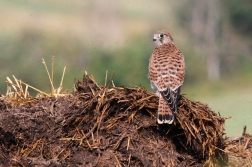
{"x": 171, "y": 98}
{"x": 164, "y": 114}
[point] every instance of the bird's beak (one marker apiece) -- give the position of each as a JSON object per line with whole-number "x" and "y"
{"x": 156, "y": 37}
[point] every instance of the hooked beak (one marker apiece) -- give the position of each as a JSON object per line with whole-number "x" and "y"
{"x": 156, "y": 37}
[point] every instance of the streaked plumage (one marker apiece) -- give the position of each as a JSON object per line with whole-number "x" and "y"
{"x": 166, "y": 73}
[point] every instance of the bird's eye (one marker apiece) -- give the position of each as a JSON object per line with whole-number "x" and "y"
{"x": 161, "y": 35}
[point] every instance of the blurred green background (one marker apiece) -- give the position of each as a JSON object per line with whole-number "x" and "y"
{"x": 100, "y": 35}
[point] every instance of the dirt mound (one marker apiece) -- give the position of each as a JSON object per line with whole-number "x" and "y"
{"x": 108, "y": 126}
{"x": 239, "y": 150}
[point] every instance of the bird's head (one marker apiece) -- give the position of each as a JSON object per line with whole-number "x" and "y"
{"x": 162, "y": 37}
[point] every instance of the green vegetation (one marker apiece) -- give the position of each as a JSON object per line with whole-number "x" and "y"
{"x": 236, "y": 104}
{"x": 25, "y": 55}
{"x": 130, "y": 63}
{"x": 86, "y": 36}
{"x": 240, "y": 13}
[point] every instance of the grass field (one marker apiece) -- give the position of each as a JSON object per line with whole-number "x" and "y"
{"x": 238, "y": 105}
{"x": 230, "y": 98}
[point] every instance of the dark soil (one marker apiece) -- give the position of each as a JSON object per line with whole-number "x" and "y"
{"x": 107, "y": 126}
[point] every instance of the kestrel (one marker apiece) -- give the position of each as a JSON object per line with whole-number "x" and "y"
{"x": 166, "y": 73}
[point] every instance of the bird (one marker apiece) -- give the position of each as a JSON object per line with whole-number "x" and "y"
{"x": 166, "y": 74}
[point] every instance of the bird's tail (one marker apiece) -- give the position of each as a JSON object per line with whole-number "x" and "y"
{"x": 164, "y": 114}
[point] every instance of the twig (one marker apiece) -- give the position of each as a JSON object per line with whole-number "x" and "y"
{"x": 43, "y": 61}
{"x": 246, "y": 144}
{"x": 129, "y": 160}
{"x": 106, "y": 77}
{"x": 61, "y": 82}
{"x": 111, "y": 80}
{"x": 59, "y": 153}
{"x": 35, "y": 89}
{"x": 11, "y": 83}
{"x": 117, "y": 161}
{"x": 26, "y": 91}
{"x": 27, "y": 85}
{"x": 89, "y": 144}
{"x": 90, "y": 132}
{"x": 52, "y": 69}
{"x": 190, "y": 130}
{"x": 21, "y": 92}
{"x": 128, "y": 143}
{"x": 119, "y": 141}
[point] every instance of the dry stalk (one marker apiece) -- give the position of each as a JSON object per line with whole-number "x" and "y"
{"x": 18, "y": 88}
{"x": 51, "y": 82}
{"x": 20, "y": 92}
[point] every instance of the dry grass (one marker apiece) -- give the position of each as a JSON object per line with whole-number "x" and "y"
{"x": 239, "y": 150}
{"x": 19, "y": 92}
{"x": 197, "y": 130}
